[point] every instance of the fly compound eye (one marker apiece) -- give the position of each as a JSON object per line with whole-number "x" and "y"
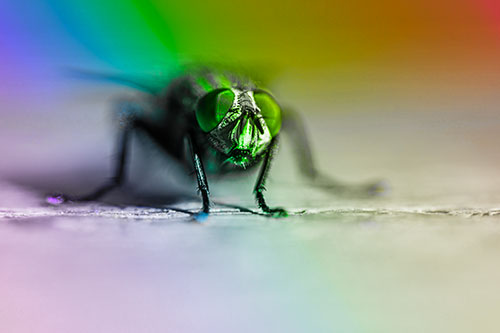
{"x": 212, "y": 108}
{"x": 270, "y": 110}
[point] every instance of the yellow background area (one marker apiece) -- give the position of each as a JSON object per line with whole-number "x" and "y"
{"x": 325, "y": 33}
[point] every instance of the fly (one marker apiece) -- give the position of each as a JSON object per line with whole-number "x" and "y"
{"x": 228, "y": 123}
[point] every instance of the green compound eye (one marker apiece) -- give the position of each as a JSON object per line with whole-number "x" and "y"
{"x": 270, "y": 111}
{"x": 212, "y": 108}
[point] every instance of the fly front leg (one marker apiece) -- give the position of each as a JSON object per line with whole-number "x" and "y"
{"x": 201, "y": 177}
{"x": 293, "y": 125}
{"x": 261, "y": 183}
{"x": 128, "y": 123}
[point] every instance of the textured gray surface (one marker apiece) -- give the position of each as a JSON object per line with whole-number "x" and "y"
{"x": 424, "y": 258}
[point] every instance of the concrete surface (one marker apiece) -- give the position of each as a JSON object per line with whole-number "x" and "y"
{"x": 423, "y": 258}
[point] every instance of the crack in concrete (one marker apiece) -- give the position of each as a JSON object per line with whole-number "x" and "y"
{"x": 173, "y": 213}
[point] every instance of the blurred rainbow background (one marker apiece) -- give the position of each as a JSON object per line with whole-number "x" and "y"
{"x": 355, "y": 41}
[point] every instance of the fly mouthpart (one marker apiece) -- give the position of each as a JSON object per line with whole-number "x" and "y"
{"x": 238, "y": 153}
{"x": 240, "y": 157}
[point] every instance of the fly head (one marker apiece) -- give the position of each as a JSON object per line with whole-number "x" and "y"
{"x": 240, "y": 124}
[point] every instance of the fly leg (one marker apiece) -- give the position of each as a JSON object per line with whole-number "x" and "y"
{"x": 201, "y": 177}
{"x": 128, "y": 122}
{"x": 119, "y": 173}
{"x": 261, "y": 183}
{"x": 294, "y": 127}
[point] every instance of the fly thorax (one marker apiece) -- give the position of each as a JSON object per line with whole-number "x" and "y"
{"x": 243, "y": 130}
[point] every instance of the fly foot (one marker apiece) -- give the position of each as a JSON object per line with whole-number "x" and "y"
{"x": 379, "y": 188}
{"x": 56, "y": 199}
{"x": 276, "y": 212}
{"x": 200, "y": 217}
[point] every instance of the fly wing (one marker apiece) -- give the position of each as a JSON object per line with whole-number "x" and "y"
{"x": 146, "y": 83}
